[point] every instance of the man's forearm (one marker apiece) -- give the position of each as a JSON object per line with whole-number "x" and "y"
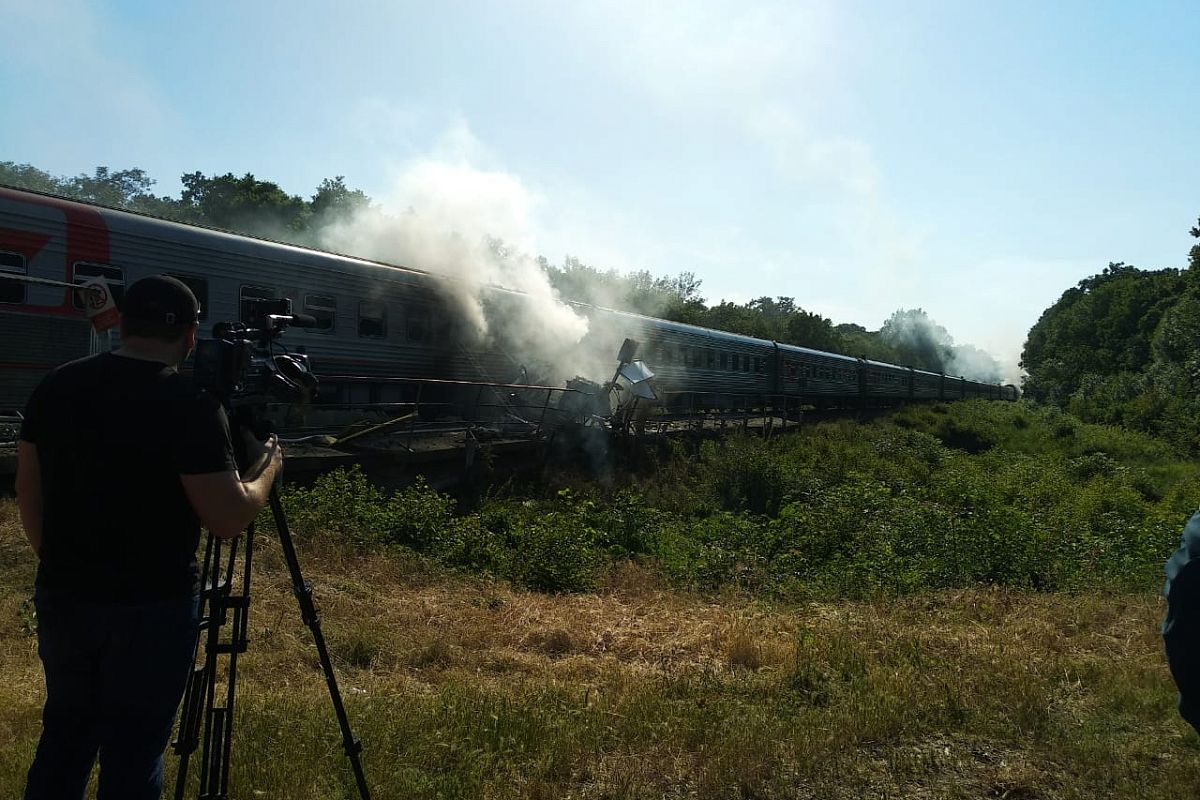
{"x": 227, "y": 502}
{"x": 260, "y": 476}
{"x": 31, "y": 519}
{"x": 29, "y": 494}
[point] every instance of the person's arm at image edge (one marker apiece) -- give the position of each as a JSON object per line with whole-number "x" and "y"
{"x": 29, "y": 493}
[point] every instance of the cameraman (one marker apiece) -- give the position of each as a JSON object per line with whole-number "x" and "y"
{"x": 120, "y": 462}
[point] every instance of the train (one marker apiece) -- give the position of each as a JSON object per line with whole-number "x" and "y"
{"x": 377, "y": 322}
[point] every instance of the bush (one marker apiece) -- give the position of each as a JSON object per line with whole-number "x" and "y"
{"x": 937, "y": 497}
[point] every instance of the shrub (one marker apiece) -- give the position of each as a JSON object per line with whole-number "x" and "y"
{"x": 943, "y": 496}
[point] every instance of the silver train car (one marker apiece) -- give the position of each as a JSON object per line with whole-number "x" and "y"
{"x": 375, "y": 320}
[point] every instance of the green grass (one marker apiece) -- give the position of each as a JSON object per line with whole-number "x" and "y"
{"x": 956, "y": 602}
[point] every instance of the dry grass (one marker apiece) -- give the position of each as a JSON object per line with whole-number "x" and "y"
{"x": 462, "y": 687}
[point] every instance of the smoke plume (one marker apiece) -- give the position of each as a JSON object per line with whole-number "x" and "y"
{"x": 923, "y": 343}
{"x": 475, "y": 228}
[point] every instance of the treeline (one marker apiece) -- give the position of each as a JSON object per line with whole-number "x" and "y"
{"x": 1123, "y": 347}
{"x": 245, "y": 205}
{"x": 257, "y": 207}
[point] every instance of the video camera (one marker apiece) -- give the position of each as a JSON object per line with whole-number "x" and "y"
{"x": 240, "y": 366}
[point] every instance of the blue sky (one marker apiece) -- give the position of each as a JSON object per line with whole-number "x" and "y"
{"x": 971, "y": 159}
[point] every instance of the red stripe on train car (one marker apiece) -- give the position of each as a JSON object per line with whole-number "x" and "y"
{"x": 87, "y": 235}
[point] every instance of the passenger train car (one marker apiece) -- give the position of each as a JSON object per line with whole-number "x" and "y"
{"x": 375, "y": 320}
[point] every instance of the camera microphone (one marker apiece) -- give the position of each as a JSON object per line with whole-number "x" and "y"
{"x": 304, "y": 321}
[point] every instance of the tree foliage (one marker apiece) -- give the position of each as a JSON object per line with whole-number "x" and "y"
{"x": 1123, "y": 347}
{"x": 243, "y": 204}
{"x": 246, "y": 204}
{"x": 1103, "y": 326}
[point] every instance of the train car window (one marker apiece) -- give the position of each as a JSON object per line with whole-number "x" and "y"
{"x": 323, "y": 308}
{"x": 724, "y": 360}
{"x": 372, "y": 319}
{"x": 12, "y": 291}
{"x": 247, "y": 293}
{"x": 759, "y": 365}
{"x": 418, "y": 325}
{"x": 745, "y": 363}
{"x": 733, "y": 362}
{"x": 113, "y": 276}
{"x": 199, "y": 287}
{"x": 710, "y": 357}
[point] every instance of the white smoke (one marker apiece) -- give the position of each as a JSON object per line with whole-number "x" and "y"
{"x": 923, "y": 342}
{"x": 445, "y": 215}
{"x": 978, "y": 365}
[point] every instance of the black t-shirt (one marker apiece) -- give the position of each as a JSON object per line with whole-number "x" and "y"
{"x": 113, "y": 435}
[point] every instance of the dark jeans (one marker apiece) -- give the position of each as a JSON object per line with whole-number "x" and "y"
{"x": 114, "y": 677}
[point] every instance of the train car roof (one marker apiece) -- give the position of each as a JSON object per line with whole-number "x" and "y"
{"x": 915, "y": 370}
{"x": 136, "y": 223}
{"x": 681, "y": 327}
{"x": 809, "y": 351}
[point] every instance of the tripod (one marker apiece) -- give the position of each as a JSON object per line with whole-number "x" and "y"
{"x": 204, "y": 720}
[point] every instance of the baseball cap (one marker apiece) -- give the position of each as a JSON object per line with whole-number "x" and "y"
{"x": 162, "y": 300}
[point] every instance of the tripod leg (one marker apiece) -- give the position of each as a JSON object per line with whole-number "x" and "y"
{"x": 203, "y": 723}
{"x": 218, "y": 729}
{"x": 192, "y": 710}
{"x": 238, "y": 640}
{"x": 312, "y": 618}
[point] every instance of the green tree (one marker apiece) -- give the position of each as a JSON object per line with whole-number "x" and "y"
{"x": 1104, "y": 325}
{"x": 104, "y": 187}
{"x": 247, "y": 205}
{"x": 25, "y": 176}
{"x": 859, "y": 342}
{"x": 334, "y": 202}
{"x": 807, "y": 329}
